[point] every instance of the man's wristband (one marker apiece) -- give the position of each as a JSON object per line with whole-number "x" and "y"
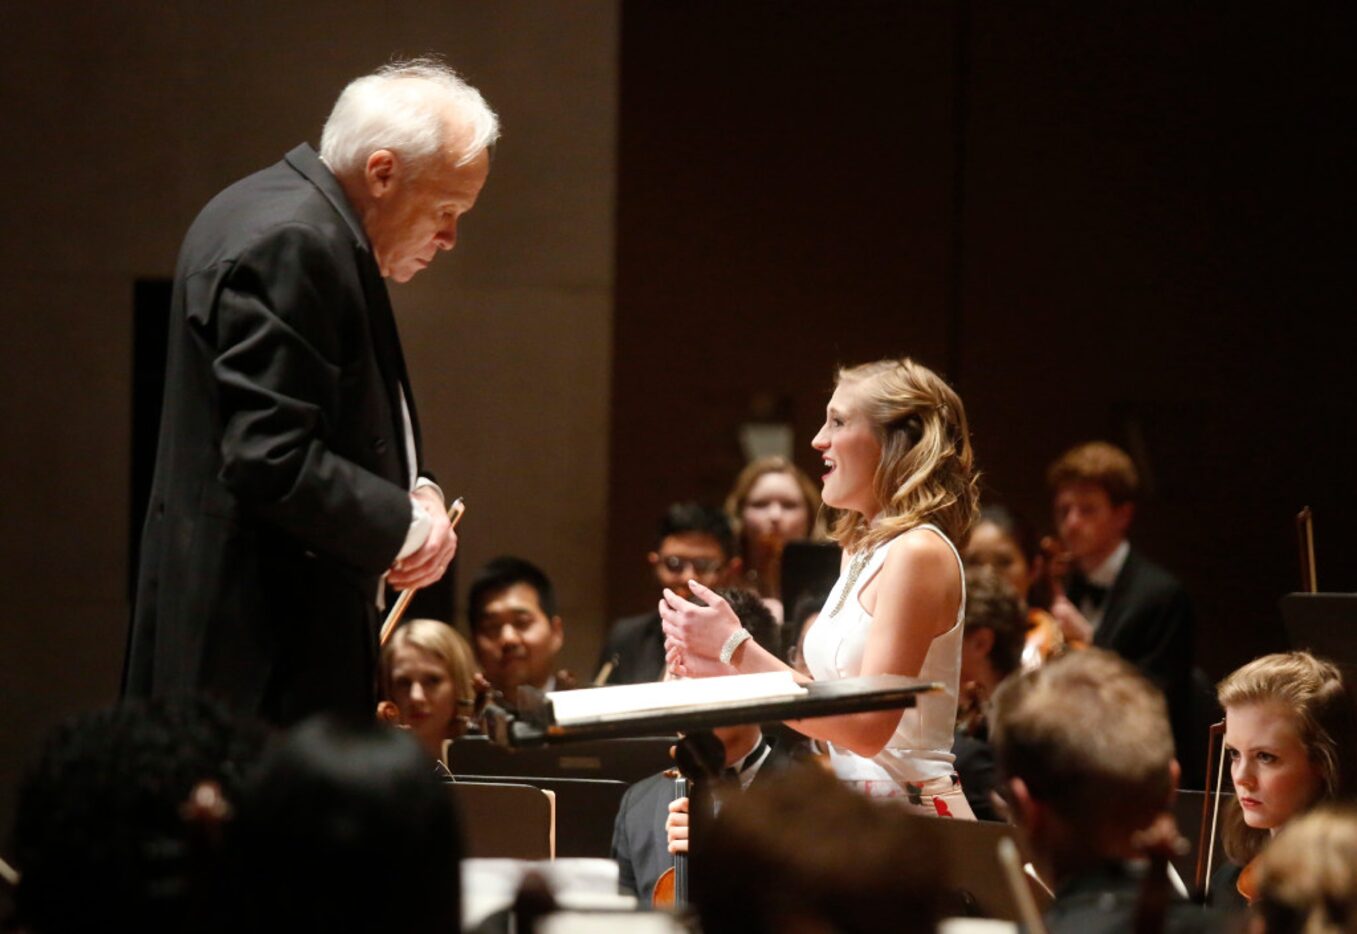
{"x": 737, "y": 639}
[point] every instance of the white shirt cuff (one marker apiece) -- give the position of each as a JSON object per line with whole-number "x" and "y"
{"x": 418, "y": 533}
{"x": 421, "y": 482}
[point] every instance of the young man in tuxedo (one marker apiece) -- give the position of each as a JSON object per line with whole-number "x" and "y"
{"x": 1115, "y": 597}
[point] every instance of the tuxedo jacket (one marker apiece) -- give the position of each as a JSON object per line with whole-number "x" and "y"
{"x": 636, "y": 646}
{"x": 281, "y": 484}
{"x": 640, "y": 844}
{"x": 1147, "y": 619}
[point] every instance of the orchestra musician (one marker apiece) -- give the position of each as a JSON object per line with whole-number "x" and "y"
{"x": 1003, "y": 542}
{"x": 651, "y": 824}
{"x": 1115, "y": 597}
{"x": 991, "y": 650}
{"x": 694, "y": 542}
{"x": 1306, "y": 883}
{"x": 342, "y": 828}
{"x": 427, "y": 673}
{"x": 772, "y": 503}
{"x": 899, "y": 466}
{"x": 1086, "y": 765}
{"x": 1291, "y": 742}
{"x": 516, "y": 630}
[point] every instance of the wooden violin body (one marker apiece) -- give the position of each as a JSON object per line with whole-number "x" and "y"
{"x": 671, "y": 889}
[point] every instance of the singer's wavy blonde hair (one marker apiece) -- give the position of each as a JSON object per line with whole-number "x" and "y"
{"x": 927, "y": 471}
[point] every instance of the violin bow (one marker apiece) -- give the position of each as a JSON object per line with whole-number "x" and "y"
{"x": 1305, "y": 533}
{"x": 1206, "y": 839}
{"x": 455, "y": 513}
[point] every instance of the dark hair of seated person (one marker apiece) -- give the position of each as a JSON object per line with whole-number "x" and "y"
{"x": 346, "y": 828}
{"x": 502, "y": 573}
{"x": 683, "y": 518}
{"x": 100, "y": 837}
{"x": 801, "y": 849}
{"x": 991, "y": 604}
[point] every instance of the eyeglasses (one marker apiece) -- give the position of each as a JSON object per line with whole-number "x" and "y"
{"x": 675, "y": 563}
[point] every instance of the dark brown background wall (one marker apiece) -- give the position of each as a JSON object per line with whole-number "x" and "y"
{"x": 1097, "y": 221}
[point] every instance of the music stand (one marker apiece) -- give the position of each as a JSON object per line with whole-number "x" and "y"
{"x": 506, "y": 821}
{"x": 972, "y": 875}
{"x": 584, "y": 810}
{"x": 628, "y": 759}
{"x": 807, "y": 567}
{"x": 535, "y": 724}
{"x": 1324, "y": 623}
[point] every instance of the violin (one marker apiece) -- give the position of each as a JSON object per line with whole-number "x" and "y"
{"x": 699, "y": 756}
{"x": 671, "y": 889}
{"x": 1045, "y": 638}
{"x": 1247, "y": 884}
{"x": 970, "y": 715}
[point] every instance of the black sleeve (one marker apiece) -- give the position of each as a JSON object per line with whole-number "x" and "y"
{"x": 1161, "y": 639}
{"x": 278, "y": 369}
{"x": 979, "y": 774}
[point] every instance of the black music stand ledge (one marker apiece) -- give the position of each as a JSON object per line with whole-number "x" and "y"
{"x": 535, "y": 723}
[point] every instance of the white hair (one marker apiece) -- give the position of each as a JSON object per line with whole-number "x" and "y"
{"x": 404, "y": 107}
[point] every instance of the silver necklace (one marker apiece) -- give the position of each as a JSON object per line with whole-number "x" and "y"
{"x": 854, "y": 569}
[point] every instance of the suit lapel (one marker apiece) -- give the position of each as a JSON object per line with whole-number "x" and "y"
{"x": 386, "y": 340}
{"x": 381, "y": 319}
{"x": 1115, "y": 605}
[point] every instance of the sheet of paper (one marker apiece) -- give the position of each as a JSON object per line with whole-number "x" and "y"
{"x": 620, "y": 701}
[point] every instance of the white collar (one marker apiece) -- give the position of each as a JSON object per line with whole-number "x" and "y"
{"x": 1105, "y": 574}
{"x": 739, "y": 761}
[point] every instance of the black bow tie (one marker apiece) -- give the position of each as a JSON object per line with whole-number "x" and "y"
{"x": 733, "y": 772}
{"x": 1081, "y": 590}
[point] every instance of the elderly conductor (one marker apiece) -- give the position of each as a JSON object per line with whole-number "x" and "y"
{"x": 288, "y": 476}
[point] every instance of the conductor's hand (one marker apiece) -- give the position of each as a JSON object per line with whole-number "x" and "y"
{"x": 694, "y": 635}
{"x": 431, "y": 561}
{"x": 676, "y": 826}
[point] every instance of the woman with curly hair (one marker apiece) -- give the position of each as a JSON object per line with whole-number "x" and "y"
{"x": 900, "y": 470}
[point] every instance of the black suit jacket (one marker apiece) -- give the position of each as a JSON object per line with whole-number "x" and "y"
{"x": 1147, "y": 619}
{"x": 636, "y": 643}
{"x": 979, "y": 773}
{"x": 280, "y": 492}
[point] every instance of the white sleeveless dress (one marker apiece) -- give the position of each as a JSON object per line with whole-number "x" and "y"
{"x": 916, "y": 763}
